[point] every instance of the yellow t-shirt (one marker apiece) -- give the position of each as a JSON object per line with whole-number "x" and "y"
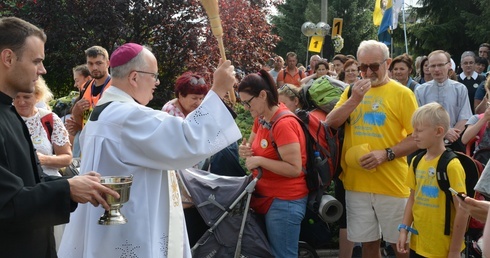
{"x": 429, "y": 208}
{"x": 382, "y": 120}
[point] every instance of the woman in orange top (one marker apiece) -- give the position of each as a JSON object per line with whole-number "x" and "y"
{"x": 281, "y": 193}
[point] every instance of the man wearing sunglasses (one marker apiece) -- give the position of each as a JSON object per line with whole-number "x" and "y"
{"x": 452, "y": 95}
{"x": 377, "y": 115}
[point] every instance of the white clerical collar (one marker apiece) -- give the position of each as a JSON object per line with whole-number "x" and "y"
{"x": 474, "y": 75}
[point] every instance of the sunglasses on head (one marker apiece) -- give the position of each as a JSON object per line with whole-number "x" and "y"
{"x": 194, "y": 81}
{"x": 374, "y": 66}
{"x": 285, "y": 87}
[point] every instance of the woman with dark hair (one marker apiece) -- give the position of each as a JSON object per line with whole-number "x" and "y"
{"x": 281, "y": 193}
{"x": 425, "y": 75}
{"x": 189, "y": 90}
{"x": 338, "y": 65}
{"x": 321, "y": 69}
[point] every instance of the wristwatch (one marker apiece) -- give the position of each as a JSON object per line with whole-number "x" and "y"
{"x": 390, "y": 154}
{"x": 407, "y": 228}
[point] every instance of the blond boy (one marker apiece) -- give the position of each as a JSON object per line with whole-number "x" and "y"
{"x": 425, "y": 209}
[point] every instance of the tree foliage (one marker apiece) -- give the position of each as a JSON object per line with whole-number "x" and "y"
{"x": 176, "y": 30}
{"x": 357, "y": 24}
{"x": 248, "y": 40}
{"x": 452, "y": 25}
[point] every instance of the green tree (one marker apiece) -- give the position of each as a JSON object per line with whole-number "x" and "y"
{"x": 287, "y": 24}
{"x": 357, "y": 24}
{"x": 177, "y": 31}
{"x": 451, "y": 25}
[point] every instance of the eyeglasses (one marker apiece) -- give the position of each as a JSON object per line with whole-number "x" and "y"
{"x": 246, "y": 103}
{"x": 374, "y": 66}
{"x": 469, "y": 63}
{"x": 286, "y": 87}
{"x": 194, "y": 81}
{"x": 155, "y": 75}
{"x": 438, "y": 65}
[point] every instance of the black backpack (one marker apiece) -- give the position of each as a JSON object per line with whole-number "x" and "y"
{"x": 473, "y": 169}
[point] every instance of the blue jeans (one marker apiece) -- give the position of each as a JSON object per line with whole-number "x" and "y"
{"x": 283, "y": 223}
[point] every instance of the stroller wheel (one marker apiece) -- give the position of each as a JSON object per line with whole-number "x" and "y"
{"x": 306, "y": 251}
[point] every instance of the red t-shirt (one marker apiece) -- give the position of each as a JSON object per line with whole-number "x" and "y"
{"x": 286, "y": 131}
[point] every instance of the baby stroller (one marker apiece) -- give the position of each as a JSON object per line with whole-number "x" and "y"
{"x": 233, "y": 230}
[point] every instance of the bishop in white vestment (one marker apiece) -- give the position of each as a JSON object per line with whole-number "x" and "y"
{"x": 124, "y": 138}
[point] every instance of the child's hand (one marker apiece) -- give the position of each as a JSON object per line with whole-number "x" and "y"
{"x": 401, "y": 245}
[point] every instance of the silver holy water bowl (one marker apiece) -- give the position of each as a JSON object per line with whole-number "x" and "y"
{"x": 122, "y": 185}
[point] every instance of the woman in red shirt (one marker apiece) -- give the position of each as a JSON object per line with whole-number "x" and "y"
{"x": 281, "y": 193}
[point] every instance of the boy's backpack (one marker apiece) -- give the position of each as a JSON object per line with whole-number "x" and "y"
{"x": 323, "y": 93}
{"x": 323, "y": 151}
{"x": 473, "y": 169}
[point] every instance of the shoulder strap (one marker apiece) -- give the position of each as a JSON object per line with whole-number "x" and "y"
{"x": 274, "y": 120}
{"x": 309, "y": 143}
{"x": 47, "y": 122}
{"x": 283, "y": 74}
{"x": 444, "y": 184}
{"x": 412, "y": 85}
{"x": 416, "y": 160}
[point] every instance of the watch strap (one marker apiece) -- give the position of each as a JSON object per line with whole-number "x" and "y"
{"x": 390, "y": 155}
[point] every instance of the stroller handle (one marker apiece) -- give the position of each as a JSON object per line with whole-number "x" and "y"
{"x": 259, "y": 173}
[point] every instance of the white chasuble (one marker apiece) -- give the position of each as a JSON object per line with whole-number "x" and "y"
{"x": 126, "y": 139}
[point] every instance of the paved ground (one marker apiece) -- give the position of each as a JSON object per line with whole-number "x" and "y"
{"x": 328, "y": 253}
{"x": 334, "y": 253}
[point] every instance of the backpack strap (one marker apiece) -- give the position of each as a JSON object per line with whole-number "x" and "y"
{"x": 442, "y": 180}
{"x": 47, "y": 122}
{"x": 309, "y": 144}
{"x": 275, "y": 118}
{"x": 416, "y": 159}
{"x": 444, "y": 184}
{"x": 284, "y": 74}
{"x": 412, "y": 85}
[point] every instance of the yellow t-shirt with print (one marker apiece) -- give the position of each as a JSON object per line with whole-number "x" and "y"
{"x": 382, "y": 120}
{"x": 429, "y": 207}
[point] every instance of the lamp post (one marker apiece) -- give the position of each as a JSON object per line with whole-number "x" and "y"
{"x": 308, "y": 29}
{"x": 322, "y": 29}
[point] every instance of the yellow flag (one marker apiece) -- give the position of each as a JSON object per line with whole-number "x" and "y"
{"x": 378, "y": 13}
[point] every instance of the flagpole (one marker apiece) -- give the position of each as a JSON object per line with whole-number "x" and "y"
{"x": 390, "y": 30}
{"x": 405, "y": 28}
{"x": 307, "y": 44}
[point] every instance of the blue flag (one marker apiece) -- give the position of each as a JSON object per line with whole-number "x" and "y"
{"x": 387, "y": 21}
